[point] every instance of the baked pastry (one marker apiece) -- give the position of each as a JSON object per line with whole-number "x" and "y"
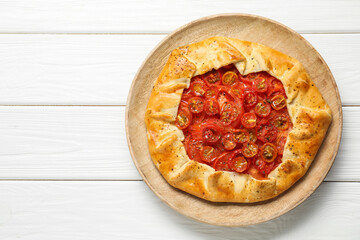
{"x": 234, "y": 121}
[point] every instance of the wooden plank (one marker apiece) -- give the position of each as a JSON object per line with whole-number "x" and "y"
{"x": 70, "y": 69}
{"x": 129, "y": 210}
{"x": 90, "y": 143}
{"x": 98, "y": 69}
{"x": 64, "y": 142}
{"x": 339, "y": 52}
{"x": 68, "y": 16}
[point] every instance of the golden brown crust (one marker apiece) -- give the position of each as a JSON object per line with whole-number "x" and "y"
{"x": 308, "y": 111}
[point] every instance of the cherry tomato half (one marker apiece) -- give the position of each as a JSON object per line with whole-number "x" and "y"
{"x": 252, "y": 135}
{"x": 259, "y": 164}
{"x": 226, "y": 95}
{"x": 183, "y": 118}
{"x": 196, "y": 105}
{"x": 275, "y": 84}
{"x": 266, "y": 132}
{"x": 211, "y": 130}
{"x": 236, "y": 91}
{"x": 209, "y": 154}
{"x": 269, "y": 167}
{"x": 238, "y": 164}
{"x": 228, "y": 141}
{"x": 186, "y": 96}
{"x": 211, "y": 107}
{"x": 241, "y": 135}
{"x": 198, "y": 87}
{"x": 250, "y": 149}
{"x": 275, "y": 88}
{"x": 282, "y": 121}
{"x": 221, "y": 163}
{"x": 229, "y": 113}
{"x": 278, "y": 102}
{"x": 248, "y": 120}
{"x": 262, "y": 109}
{"x": 250, "y": 98}
{"x": 211, "y": 135}
{"x": 229, "y": 78}
{"x": 212, "y": 93}
{"x": 212, "y": 77}
{"x": 198, "y": 118}
{"x": 268, "y": 152}
{"x": 194, "y": 147}
{"x": 250, "y": 77}
{"x": 260, "y": 84}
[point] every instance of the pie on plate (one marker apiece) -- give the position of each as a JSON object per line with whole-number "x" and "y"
{"x": 234, "y": 121}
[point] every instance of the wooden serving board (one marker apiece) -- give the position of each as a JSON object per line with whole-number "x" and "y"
{"x": 250, "y": 28}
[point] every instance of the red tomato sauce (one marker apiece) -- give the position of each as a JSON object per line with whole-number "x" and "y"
{"x": 233, "y": 122}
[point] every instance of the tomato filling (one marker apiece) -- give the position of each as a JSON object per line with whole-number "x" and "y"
{"x": 233, "y": 122}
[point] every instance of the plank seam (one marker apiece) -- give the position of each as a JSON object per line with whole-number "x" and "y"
{"x": 148, "y": 33}
{"x": 62, "y": 105}
{"x": 126, "y": 180}
{"x": 99, "y": 105}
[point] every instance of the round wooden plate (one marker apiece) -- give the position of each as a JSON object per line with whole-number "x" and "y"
{"x": 250, "y": 28}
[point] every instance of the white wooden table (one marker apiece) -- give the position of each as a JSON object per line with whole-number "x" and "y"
{"x": 65, "y": 70}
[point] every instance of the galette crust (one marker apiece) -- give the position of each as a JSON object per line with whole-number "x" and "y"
{"x": 309, "y": 113}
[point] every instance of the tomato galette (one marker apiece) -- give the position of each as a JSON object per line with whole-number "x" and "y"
{"x": 234, "y": 121}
